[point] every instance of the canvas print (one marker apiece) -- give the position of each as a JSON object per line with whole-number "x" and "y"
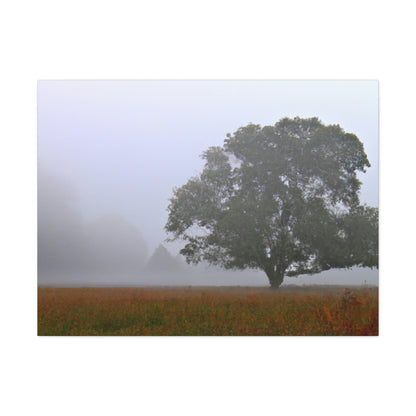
{"x": 208, "y": 207}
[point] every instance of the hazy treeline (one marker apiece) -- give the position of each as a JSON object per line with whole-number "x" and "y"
{"x": 68, "y": 244}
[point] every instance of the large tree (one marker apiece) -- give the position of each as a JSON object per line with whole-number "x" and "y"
{"x": 282, "y": 198}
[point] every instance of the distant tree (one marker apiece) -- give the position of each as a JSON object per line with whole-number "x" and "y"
{"x": 161, "y": 261}
{"x": 282, "y": 198}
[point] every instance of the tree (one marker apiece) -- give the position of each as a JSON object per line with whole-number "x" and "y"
{"x": 161, "y": 261}
{"x": 282, "y": 198}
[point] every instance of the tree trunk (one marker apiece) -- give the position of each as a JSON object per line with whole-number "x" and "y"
{"x": 275, "y": 278}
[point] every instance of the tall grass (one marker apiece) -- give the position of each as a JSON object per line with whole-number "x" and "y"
{"x": 232, "y": 311}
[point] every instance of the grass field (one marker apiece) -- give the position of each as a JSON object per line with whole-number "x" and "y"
{"x": 208, "y": 311}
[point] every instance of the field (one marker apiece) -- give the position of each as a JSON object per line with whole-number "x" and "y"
{"x": 208, "y": 311}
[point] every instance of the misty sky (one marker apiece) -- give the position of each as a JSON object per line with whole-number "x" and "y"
{"x": 123, "y": 145}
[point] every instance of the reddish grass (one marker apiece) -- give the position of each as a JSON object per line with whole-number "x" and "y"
{"x": 207, "y": 311}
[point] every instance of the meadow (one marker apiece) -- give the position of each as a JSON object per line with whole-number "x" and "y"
{"x": 208, "y": 311}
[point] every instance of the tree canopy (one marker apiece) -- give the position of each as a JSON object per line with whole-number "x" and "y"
{"x": 282, "y": 198}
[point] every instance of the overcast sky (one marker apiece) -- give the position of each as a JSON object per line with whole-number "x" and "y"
{"x": 123, "y": 145}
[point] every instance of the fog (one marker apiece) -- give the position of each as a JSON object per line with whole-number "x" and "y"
{"x": 72, "y": 249}
{"x": 110, "y": 152}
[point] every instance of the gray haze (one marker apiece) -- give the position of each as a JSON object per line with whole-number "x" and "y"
{"x": 110, "y": 152}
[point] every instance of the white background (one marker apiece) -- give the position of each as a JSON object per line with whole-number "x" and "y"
{"x": 194, "y": 40}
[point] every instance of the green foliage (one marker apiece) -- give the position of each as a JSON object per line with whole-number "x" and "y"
{"x": 282, "y": 198}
